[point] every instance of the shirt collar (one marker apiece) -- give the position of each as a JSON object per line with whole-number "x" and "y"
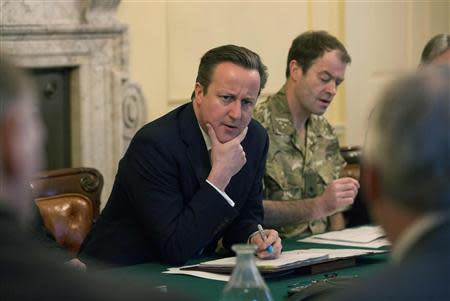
{"x": 282, "y": 123}
{"x": 205, "y": 138}
{"x": 414, "y": 233}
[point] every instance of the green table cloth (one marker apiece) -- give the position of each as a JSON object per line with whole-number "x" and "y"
{"x": 211, "y": 289}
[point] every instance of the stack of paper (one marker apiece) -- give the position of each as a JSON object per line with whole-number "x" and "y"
{"x": 365, "y": 237}
{"x": 287, "y": 260}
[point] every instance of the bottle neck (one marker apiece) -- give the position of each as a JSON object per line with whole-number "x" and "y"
{"x": 244, "y": 258}
{"x": 246, "y": 271}
{"x": 246, "y": 282}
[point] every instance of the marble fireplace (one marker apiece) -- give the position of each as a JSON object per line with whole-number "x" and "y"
{"x": 106, "y": 107}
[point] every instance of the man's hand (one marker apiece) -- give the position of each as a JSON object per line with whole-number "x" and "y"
{"x": 339, "y": 194}
{"x": 272, "y": 239}
{"x": 226, "y": 158}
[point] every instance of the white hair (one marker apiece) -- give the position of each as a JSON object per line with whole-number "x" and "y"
{"x": 435, "y": 47}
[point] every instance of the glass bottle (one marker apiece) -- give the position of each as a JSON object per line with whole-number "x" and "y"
{"x": 246, "y": 283}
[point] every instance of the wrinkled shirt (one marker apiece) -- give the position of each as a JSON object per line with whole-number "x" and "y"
{"x": 294, "y": 171}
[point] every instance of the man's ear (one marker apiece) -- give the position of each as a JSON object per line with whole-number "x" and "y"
{"x": 295, "y": 70}
{"x": 370, "y": 184}
{"x": 198, "y": 93}
{"x": 8, "y": 141}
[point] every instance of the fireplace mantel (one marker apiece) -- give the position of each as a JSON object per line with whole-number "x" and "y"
{"x": 107, "y": 108}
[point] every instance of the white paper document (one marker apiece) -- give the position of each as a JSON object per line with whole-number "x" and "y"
{"x": 362, "y": 234}
{"x": 364, "y": 237}
{"x": 343, "y": 253}
{"x": 378, "y": 243}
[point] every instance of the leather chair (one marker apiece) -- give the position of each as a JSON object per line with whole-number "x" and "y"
{"x": 69, "y": 202}
{"x": 351, "y": 155}
{"x": 358, "y": 214}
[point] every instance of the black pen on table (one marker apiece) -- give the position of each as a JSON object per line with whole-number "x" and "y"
{"x": 264, "y": 238}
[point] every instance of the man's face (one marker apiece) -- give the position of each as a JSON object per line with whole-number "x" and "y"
{"x": 23, "y": 147}
{"x": 229, "y": 101}
{"x": 32, "y": 136}
{"x": 315, "y": 89}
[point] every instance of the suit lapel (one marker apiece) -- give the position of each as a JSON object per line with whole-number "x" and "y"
{"x": 196, "y": 148}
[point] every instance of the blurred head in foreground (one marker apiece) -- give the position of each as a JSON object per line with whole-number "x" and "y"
{"x": 406, "y": 164}
{"x": 21, "y": 138}
{"x": 406, "y": 179}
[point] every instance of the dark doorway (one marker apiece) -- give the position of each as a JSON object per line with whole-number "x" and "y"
{"x": 54, "y": 101}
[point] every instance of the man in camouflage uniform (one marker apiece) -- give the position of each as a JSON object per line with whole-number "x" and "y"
{"x": 301, "y": 185}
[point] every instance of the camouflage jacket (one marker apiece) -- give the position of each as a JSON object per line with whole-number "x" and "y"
{"x": 294, "y": 171}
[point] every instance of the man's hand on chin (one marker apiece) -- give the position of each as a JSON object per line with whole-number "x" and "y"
{"x": 226, "y": 158}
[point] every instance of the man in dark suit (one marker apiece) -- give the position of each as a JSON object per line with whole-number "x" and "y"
{"x": 193, "y": 176}
{"x": 29, "y": 272}
{"x": 406, "y": 172}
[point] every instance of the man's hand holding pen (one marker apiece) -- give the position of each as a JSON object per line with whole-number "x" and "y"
{"x": 263, "y": 239}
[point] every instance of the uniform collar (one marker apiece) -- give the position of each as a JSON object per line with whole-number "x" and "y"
{"x": 282, "y": 123}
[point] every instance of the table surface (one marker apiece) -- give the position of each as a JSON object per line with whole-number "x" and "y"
{"x": 211, "y": 289}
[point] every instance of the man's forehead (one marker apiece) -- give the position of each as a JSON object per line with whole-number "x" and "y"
{"x": 223, "y": 67}
{"x": 330, "y": 62}
{"x": 231, "y": 76}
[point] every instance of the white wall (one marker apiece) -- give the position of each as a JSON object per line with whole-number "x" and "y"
{"x": 384, "y": 39}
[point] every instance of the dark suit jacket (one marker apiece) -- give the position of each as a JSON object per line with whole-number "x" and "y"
{"x": 161, "y": 208}
{"x": 28, "y": 272}
{"x": 424, "y": 274}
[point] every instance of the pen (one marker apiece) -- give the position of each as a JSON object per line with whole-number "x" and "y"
{"x": 264, "y": 238}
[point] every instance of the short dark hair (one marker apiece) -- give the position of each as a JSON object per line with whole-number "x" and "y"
{"x": 238, "y": 55}
{"x": 310, "y": 46}
{"x": 435, "y": 47}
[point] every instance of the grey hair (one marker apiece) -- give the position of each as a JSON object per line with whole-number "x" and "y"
{"x": 435, "y": 47}
{"x": 408, "y": 140}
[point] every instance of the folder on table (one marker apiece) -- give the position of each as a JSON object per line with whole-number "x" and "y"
{"x": 289, "y": 260}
